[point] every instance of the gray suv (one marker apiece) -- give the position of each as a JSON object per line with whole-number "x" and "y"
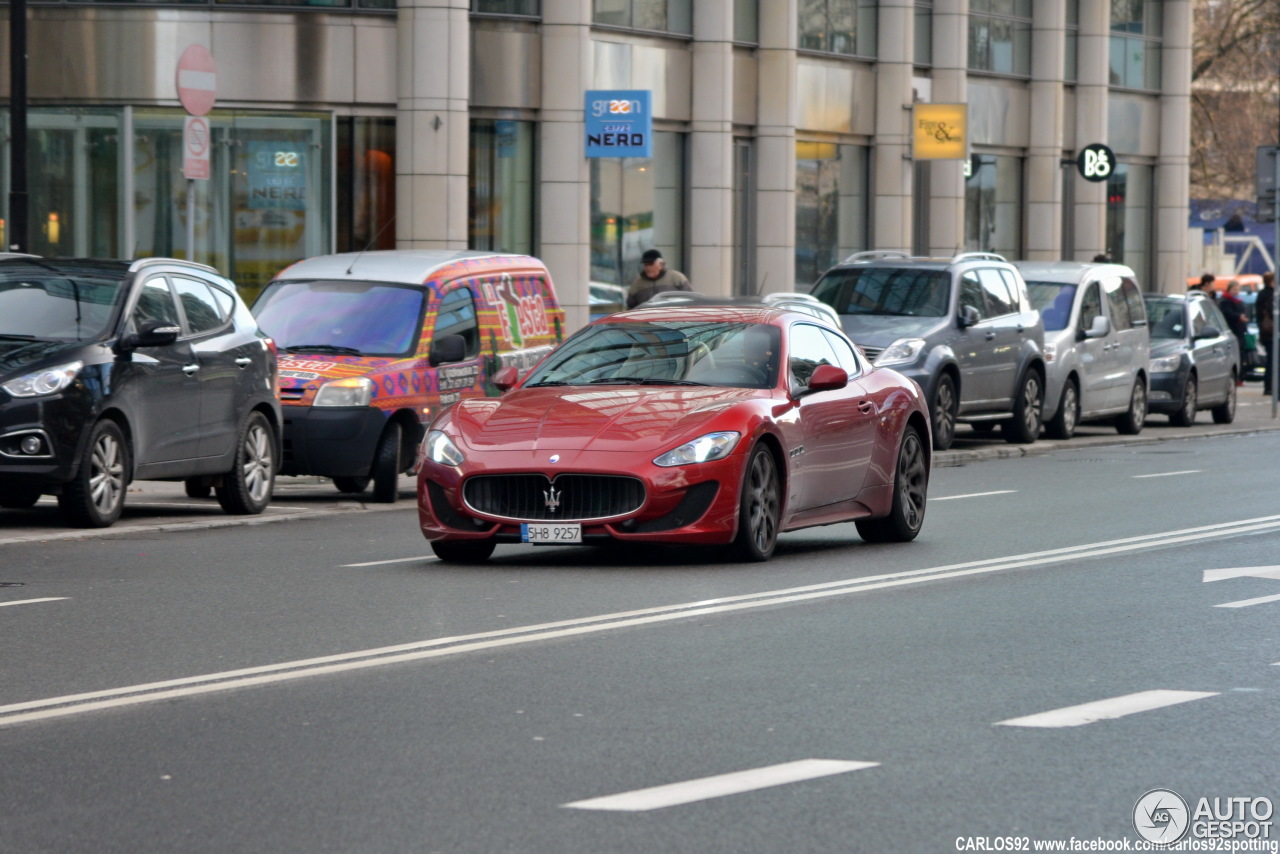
{"x": 963, "y": 328}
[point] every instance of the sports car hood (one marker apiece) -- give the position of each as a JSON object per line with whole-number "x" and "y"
{"x": 634, "y": 418}
{"x": 879, "y": 330}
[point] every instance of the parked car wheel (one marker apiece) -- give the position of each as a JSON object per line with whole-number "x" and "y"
{"x": 246, "y": 489}
{"x": 19, "y": 499}
{"x": 197, "y": 487}
{"x": 1063, "y": 425}
{"x": 910, "y": 487}
{"x": 759, "y": 508}
{"x": 1225, "y": 412}
{"x": 463, "y": 551}
{"x": 351, "y": 485}
{"x": 1186, "y": 414}
{"x": 386, "y": 466}
{"x": 1131, "y": 422}
{"x": 94, "y": 498}
{"x": 1024, "y": 427}
{"x": 945, "y": 405}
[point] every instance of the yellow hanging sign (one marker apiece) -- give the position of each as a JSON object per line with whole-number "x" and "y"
{"x": 940, "y": 131}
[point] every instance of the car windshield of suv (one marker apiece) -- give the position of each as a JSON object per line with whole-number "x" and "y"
{"x": 1165, "y": 317}
{"x": 1053, "y": 300}
{"x": 696, "y": 353}
{"x": 341, "y": 318}
{"x": 45, "y": 303}
{"x": 905, "y": 292}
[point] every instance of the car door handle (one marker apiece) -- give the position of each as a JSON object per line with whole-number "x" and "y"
{"x": 991, "y": 336}
{"x": 190, "y": 370}
{"x": 244, "y": 362}
{"x": 866, "y": 406}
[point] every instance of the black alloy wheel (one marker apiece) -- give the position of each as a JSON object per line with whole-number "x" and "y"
{"x": 94, "y": 498}
{"x": 944, "y": 408}
{"x": 910, "y": 494}
{"x": 759, "y": 507}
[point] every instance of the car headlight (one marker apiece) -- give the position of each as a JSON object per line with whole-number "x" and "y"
{"x": 1164, "y": 364}
{"x": 440, "y": 449}
{"x": 713, "y": 446}
{"x": 901, "y": 352}
{"x": 352, "y": 391}
{"x": 45, "y": 381}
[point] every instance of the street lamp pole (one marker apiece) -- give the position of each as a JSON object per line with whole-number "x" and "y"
{"x": 17, "y": 237}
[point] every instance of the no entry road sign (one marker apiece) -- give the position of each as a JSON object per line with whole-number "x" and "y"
{"x": 197, "y": 80}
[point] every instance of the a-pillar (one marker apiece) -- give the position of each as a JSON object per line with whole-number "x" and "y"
{"x": 1044, "y": 155}
{"x": 891, "y": 151}
{"x": 710, "y": 268}
{"x": 1173, "y": 161}
{"x": 565, "y": 177}
{"x": 433, "y": 92}
{"x": 950, "y": 86}
{"x": 1094, "y": 64}
{"x": 777, "y": 112}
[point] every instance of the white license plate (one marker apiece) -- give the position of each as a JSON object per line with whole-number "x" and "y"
{"x": 538, "y": 533}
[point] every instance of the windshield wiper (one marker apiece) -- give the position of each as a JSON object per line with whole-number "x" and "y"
{"x": 323, "y": 348}
{"x": 8, "y": 337}
{"x": 640, "y": 381}
{"x": 548, "y": 383}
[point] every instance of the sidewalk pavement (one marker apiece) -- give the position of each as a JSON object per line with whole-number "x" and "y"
{"x": 153, "y": 506}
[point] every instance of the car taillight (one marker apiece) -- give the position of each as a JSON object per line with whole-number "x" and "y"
{"x": 270, "y": 344}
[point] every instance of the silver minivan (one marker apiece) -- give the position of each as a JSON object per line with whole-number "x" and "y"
{"x": 1096, "y": 344}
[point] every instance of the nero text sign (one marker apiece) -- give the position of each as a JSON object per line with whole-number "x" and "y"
{"x": 619, "y": 123}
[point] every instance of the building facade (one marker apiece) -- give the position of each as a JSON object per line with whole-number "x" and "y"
{"x": 782, "y": 133}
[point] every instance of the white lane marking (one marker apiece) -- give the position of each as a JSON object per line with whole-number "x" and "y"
{"x": 1244, "y": 572}
{"x": 1166, "y": 474}
{"x": 33, "y": 601}
{"x": 674, "y": 794}
{"x": 33, "y": 710}
{"x": 393, "y": 560}
{"x": 1103, "y": 710}
{"x": 1245, "y": 603}
{"x": 975, "y": 495}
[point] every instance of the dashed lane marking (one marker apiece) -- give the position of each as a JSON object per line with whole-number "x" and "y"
{"x": 1105, "y": 710}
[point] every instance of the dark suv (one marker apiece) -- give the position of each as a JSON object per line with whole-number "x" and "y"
{"x": 963, "y": 328}
{"x": 112, "y": 371}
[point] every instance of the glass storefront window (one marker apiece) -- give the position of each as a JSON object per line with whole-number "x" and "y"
{"x": 1136, "y": 27}
{"x": 637, "y": 204}
{"x": 831, "y": 206}
{"x": 500, "y": 186}
{"x": 746, "y": 21}
{"x": 1130, "y": 209}
{"x": 506, "y": 7}
{"x": 366, "y": 183}
{"x": 993, "y": 205}
{"x": 838, "y": 26}
{"x": 924, "y": 32}
{"x": 1000, "y": 36}
{"x": 669, "y": 16}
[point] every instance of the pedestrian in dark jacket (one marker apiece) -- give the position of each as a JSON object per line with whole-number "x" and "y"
{"x": 655, "y": 278}
{"x": 1264, "y": 309}
{"x": 1237, "y": 316}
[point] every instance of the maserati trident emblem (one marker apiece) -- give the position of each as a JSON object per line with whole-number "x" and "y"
{"x": 552, "y": 498}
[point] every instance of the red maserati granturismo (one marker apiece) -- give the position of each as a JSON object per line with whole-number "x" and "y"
{"x": 681, "y": 424}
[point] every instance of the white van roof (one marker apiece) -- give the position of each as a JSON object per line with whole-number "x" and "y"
{"x": 402, "y": 266}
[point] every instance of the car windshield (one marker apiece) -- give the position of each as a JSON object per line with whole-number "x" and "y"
{"x": 706, "y": 353}
{"x": 43, "y": 302}
{"x": 1166, "y": 317}
{"x": 900, "y": 291}
{"x": 1053, "y": 300}
{"x": 344, "y": 318}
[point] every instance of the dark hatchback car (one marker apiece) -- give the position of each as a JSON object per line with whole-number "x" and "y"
{"x": 113, "y": 371}
{"x": 1195, "y": 360}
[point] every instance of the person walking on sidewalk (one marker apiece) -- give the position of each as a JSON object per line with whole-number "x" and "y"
{"x": 1236, "y": 316}
{"x": 1265, "y": 310}
{"x": 655, "y": 278}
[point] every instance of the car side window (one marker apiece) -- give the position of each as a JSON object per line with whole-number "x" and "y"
{"x": 1090, "y": 305}
{"x": 1117, "y": 303}
{"x": 1133, "y": 296}
{"x": 971, "y": 293}
{"x": 1021, "y": 300}
{"x": 999, "y": 301}
{"x": 845, "y": 355}
{"x": 1199, "y": 317}
{"x": 1215, "y": 318}
{"x": 204, "y": 312}
{"x": 457, "y": 316}
{"x": 155, "y": 304}
{"x": 808, "y": 349}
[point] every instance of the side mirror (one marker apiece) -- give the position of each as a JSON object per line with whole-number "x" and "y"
{"x": 828, "y": 378}
{"x": 152, "y": 333}
{"x": 968, "y": 317}
{"x": 1100, "y": 328}
{"x": 447, "y": 348}
{"x": 1209, "y": 332}
{"x": 506, "y": 378}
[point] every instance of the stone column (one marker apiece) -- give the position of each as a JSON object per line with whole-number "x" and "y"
{"x": 433, "y": 93}
{"x": 710, "y": 266}
{"x": 892, "y": 167}
{"x": 1173, "y": 169}
{"x": 950, "y": 86}
{"x": 564, "y": 227}
{"x": 1044, "y": 156}
{"x": 1094, "y": 69}
{"x": 777, "y": 114}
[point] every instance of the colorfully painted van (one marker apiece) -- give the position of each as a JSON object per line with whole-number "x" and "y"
{"x": 373, "y": 345}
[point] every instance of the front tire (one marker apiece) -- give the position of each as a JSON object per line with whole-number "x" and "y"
{"x": 910, "y": 493}
{"x": 759, "y": 508}
{"x": 386, "y": 466}
{"x": 1024, "y": 427}
{"x": 944, "y": 407}
{"x": 1186, "y": 414}
{"x": 1063, "y": 425}
{"x": 1225, "y": 412}
{"x": 1130, "y": 424}
{"x": 246, "y": 489}
{"x": 463, "y": 551}
{"x": 95, "y": 497}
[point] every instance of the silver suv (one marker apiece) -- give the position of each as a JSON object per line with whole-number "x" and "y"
{"x": 963, "y": 328}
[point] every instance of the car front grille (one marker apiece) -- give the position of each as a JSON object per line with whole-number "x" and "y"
{"x": 532, "y": 497}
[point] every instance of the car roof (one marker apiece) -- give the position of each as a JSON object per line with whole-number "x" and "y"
{"x": 1069, "y": 272}
{"x": 400, "y": 266}
{"x": 114, "y": 265}
{"x": 727, "y": 312}
{"x": 892, "y": 258}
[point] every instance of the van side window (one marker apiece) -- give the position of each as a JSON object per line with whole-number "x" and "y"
{"x": 457, "y": 316}
{"x": 1133, "y": 296}
{"x": 999, "y": 301}
{"x": 1119, "y": 305}
{"x": 971, "y": 294}
{"x": 1021, "y": 299}
{"x": 1090, "y": 306}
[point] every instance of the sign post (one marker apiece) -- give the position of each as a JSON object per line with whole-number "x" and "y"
{"x": 197, "y": 83}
